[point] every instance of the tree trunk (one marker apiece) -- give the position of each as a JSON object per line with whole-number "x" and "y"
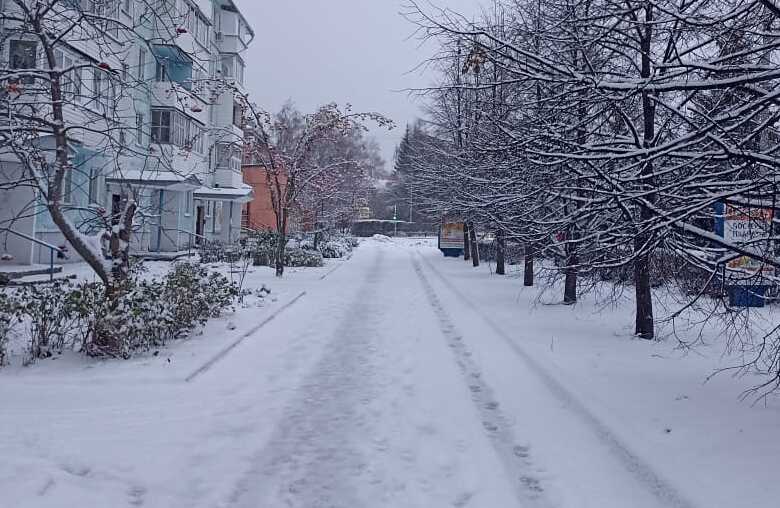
{"x": 500, "y": 253}
{"x": 528, "y": 273}
{"x": 466, "y": 242}
{"x": 644, "y": 296}
{"x": 120, "y": 246}
{"x": 280, "y": 251}
{"x": 281, "y": 245}
{"x": 570, "y": 285}
{"x": 474, "y": 245}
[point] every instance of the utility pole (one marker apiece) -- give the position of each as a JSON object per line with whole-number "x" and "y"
{"x": 411, "y": 201}
{"x": 395, "y": 220}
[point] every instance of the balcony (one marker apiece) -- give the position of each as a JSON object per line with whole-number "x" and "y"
{"x": 230, "y": 43}
{"x": 173, "y": 65}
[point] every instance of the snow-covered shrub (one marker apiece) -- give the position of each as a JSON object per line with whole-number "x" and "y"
{"x": 149, "y": 313}
{"x": 51, "y": 316}
{"x": 306, "y": 244}
{"x": 262, "y": 247}
{"x": 338, "y": 246}
{"x": 194, "y": 295}
{"x": 334, "y": 249}
{"x": 7, "y": 316}
{"x": 299, "y": 257}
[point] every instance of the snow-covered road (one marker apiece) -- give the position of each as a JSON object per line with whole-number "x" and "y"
{"x": 385, "y": 385}
{"x": 396, "y": 409}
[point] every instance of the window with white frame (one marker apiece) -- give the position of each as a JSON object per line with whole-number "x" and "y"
{"x": 23, "y": 56}
{"x": 65, "y": 62}
{"x": 228, "y": 157}
{"x": 141, "y": 64}
{"x": 175, "y": 128}
{"x": 161, "y": 126}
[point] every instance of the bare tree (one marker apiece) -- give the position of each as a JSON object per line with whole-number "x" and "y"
{"x": 290, "y": 148}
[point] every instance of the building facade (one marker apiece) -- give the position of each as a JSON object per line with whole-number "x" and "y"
{"x": 155, "y": 96}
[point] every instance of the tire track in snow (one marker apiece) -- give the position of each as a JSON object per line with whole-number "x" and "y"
{"x": 515, "y": 458}
{"x": 666, "y": 493}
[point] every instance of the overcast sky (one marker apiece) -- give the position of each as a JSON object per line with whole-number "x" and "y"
{"x": 356, "y": 51}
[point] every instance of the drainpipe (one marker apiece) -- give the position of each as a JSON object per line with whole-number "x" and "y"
{"x": 160, "y": 222}
{"x": 230, "y": 224}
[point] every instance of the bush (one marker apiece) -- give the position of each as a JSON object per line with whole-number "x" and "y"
{"x": 7, "y": 312}
{"x": 52, "y": 318}
{"x": 334, "y": 249}
{"x": 261, "y": 245}
{"x": 297, "y": 257}
{"x": 148, "y": 314}
{"x": 338, "y": 246}
{"x": 153, "y": 313}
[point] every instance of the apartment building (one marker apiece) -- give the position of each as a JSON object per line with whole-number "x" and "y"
{"x": 154, "y": 91}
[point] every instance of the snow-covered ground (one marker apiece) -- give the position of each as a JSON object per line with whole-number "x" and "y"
{"x": 402, "y": 379}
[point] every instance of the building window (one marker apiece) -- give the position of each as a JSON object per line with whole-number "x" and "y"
{"x": 139, "y": 128}
{"x": 173, "y": 65}
{"x": 228, "y": 157}
{"x": 196, "y": 24}
{"x": 77, "y": 84}
{"x": 142, "y": 64}
{"x": 217, "y": 222}
{"x": 94, "y": 187}
{"x": 102, "y": 92}
{"x": 65, "y": 61}
{"x": 161, "y": 126}
{"x": 188, "y": 198}
{"x": 67, "y": 185}
{"x": 23, "y": 56}
{"x": 226, "y": 66}
{"x": 238, "y": 114}
{"x": 174, "y": 127}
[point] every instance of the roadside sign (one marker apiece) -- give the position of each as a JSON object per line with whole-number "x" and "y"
{"x": 745, "y": 226}
{"x": 451, "y": 238}
{"x": 745, "y": 278}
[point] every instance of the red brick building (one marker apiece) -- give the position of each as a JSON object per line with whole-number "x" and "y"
{"x": 259, "y": 213}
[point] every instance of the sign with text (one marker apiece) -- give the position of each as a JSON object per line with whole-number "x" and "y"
{"x": 747, "y": 226}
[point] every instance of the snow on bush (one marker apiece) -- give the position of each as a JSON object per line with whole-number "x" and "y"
{"x": 65, "y": 315}
{"x": 6, "y": 320}
{"x": 334, "y": 249}
{"x": 51, "y": 316}
{"x": 298, "y": 257}
{"x": 338, "y": 246}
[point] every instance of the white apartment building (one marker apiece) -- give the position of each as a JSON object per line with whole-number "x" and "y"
{"x": 160, "y": 99}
